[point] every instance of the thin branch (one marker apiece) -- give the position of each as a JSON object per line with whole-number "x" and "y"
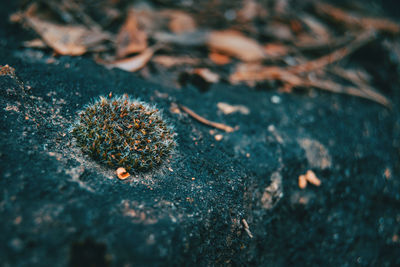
{"x": 203, "y": 120}
{"x": 336, "y": 55}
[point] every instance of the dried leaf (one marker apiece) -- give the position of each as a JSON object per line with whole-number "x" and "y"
{"x": 250, "y": 10}
{"x": 181, "y": 22}
{"x": 130, "y": 38}
{"x": 279, "y": 31}
{"x": 219, "y": 59}
{"x": 236, "y": 44}
{"x": 170, "y": 61}
{"x": 65, "y": 40}
{"x": 255, "y": 73}
{"x": 197, "y": 38}
{"x": 207, "y": 75}
{"x": 134, "y": 63}
{"x": 275, "y": 50}
{"x": 73, "y": 40}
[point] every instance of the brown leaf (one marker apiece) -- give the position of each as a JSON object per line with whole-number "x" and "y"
{"x": 236, "y": 44}
{"x": 275, "y": 50}
{"x": 130, "y": 38}
{"x": 255, "y": 73}
{"x": 279, "y": 31}
{"x": 65, "y": 40}
{"x": 170, "y": 61}
{"x": 134, "y": 63}
{"x": 207, "y": 75}
{"x": 250, "y": 10}
{"x": 73, "y": 40}
{"x": 219, "y": 59}
{"x": 181, "y": 22}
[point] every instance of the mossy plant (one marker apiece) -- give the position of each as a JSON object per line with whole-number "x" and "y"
{"x": 124, "y": 132}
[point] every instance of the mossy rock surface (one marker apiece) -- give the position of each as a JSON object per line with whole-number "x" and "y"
{"x": 59, "y": 207}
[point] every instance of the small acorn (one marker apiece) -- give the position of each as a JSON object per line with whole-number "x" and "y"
{"x": 124, "y": 132}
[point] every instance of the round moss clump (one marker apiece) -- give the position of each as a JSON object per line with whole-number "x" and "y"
{"x": 124, "y": 132}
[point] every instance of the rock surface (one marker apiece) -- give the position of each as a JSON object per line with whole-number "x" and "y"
{"x": 60, "y": 208}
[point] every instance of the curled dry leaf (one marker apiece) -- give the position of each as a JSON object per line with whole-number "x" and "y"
{"x": 236, "y": 44}
{"x": 134, "y": 63}
{"x": 130, "y": 38}
{"x": 122, "y": 173}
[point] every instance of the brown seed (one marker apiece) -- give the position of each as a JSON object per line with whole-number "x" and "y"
{"x": 312, "y": 178}
{"x": 302, "y": 182}
{"x": 122, "y": 173}
{"x": 218, "y": 137}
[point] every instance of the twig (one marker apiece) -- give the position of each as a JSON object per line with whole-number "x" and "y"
{"x": 203, "y": 120}
{"x": 349, "y": 90}
{"x": 337, "y": 55}
{"x": 246, "y": 228}
{"x": 364, "y": 87}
